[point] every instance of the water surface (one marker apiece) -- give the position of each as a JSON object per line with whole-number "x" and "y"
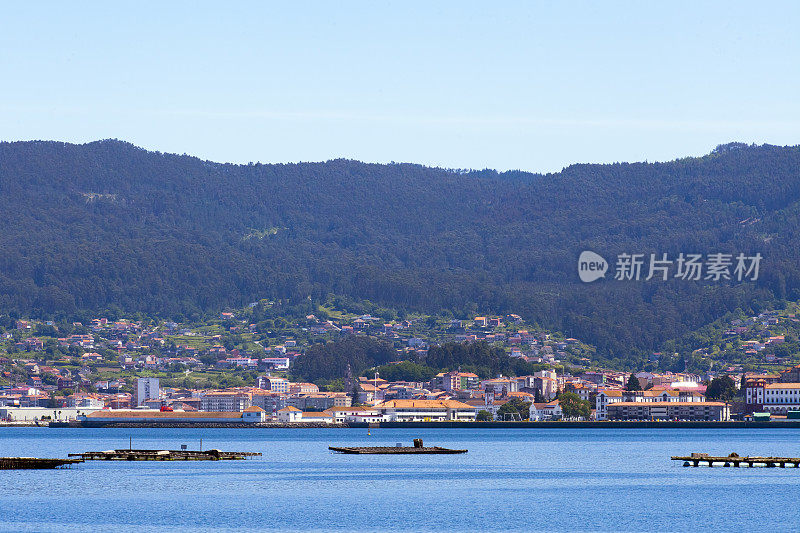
{"x": 524, "y": 479}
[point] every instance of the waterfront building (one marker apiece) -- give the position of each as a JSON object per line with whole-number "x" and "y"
{"x": 426, "y": 410}
{"x": 29, "y": 414}
{"x": 694, "y": 411}
{"x": 775, "y": 398}
{"x": 606, "y": 398}
{"x": 289, "y": 414}
{"x": 342, "y": 415}
{"x": 316, "y": 417}
{"x": 253, "y": 414}
{"x": 545, "y": 411}
{"x": 144, "y": 416}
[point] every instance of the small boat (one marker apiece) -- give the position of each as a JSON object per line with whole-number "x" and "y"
{"x": 418, "y": 448}
{"x": 34, "y": 463}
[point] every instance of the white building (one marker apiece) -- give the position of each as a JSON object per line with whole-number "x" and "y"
{"x": 609, "y": 397}
{"x": 274, "y": 384}
{"x": 500, "y": 385}
{"x": 318, "y": 417}
{"x": 146, "y": 389}
{"x": 28, "y": 414}
{"x": 354, "y": 414}
{"x": 781, "y": 397}
{"x": 254, "y": 414}
{"x": 289, "y": 414}
{"x": 277, "y": 363}
{"x": 545, "y": 411}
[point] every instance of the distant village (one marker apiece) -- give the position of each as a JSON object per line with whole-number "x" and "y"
{"x": 125, "y": 371}
{"x": 768, "y": 339}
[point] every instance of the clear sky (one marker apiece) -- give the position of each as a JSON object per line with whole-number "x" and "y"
{"x": 529, "y": 85}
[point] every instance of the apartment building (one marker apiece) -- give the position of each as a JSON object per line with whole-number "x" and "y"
{"x": 606, "y": 398}
{"x": 225, "y": 401}
{"x": 694, "y": 411}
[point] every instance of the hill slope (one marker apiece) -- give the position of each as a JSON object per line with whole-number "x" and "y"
{"x": 88, "y": 227}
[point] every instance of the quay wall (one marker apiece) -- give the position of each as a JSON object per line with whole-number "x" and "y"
{"x": 238, "y": 425}
{"x": 605, "y": 424}
{"x": 788, "y": 424}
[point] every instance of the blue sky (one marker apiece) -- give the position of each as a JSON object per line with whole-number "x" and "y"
{"x": 529, "y": 85}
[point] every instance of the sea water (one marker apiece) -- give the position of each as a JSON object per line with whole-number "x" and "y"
{"x": 511, "y": 479}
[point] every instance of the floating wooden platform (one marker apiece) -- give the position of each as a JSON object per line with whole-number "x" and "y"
{"x": 393, "y": 450}
{"x": 418, "y": 448}
{"x": 734, "y": 460}
{"x": 34, "y": 463}
{"x": 163, "y": 455}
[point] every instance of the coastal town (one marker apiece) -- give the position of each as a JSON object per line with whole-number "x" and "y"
{"x": 234, "y": 370}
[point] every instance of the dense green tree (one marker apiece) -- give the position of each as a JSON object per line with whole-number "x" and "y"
{"x": 573, "y": 407}
{"x": 483, "y": 416}
{"x": 479, "y": 357}
{"x": 514, "y": 409}
{"x": 330, "y": 360}
{"x": 721, "y": 388}
{"x": 633, "y": 384}
{"x": 403, "y": 371}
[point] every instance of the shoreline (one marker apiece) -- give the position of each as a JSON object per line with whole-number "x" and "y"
{"x": 644, "y": 424}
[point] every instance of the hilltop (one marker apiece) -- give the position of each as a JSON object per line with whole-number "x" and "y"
{"x": 107, "y": 226}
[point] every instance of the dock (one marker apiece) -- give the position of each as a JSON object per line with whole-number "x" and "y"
{"x": 737, "y": 461}
{"x": 34, "y": 463}
{"x": 163, "y": 455}
{"x": 418, "y": 448}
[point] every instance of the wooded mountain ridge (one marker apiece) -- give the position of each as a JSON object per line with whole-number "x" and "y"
{"x": 109, "y": 225}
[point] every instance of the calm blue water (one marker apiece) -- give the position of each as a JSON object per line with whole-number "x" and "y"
{"x": 554, "y": 480}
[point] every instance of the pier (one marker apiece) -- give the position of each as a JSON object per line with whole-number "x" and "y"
{"x": 34, "y": 463}
{"x": 736, "y": 461}
{"x": 163, "y": 455}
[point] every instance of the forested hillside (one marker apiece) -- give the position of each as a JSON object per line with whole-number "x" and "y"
{"x": 108, "y": 225}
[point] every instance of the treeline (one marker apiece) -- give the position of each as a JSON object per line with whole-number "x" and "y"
{"x": 477, "y": 357}
{"x": 108, "y": 227}
{"x": 480, "y": 358}
{"x": 329, "y": 361}
{"x": 367, "y": 355}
